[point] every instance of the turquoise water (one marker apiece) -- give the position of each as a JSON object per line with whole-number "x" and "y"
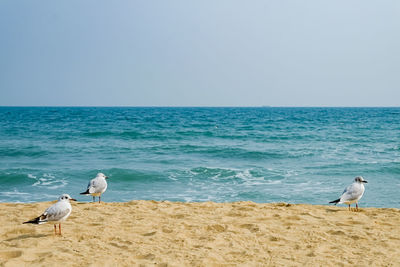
{"x": 296, "y": 155}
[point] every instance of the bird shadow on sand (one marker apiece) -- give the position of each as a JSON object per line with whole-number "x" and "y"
{"x": 25, "y": 237}
{"x": 332, "y": 210}
{"x": 352, "y": 210}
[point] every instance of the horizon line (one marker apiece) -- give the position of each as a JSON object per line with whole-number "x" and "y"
{"x": 166, "y": 106}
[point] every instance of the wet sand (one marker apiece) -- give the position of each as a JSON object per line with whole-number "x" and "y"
{"x": 150, "y": 233}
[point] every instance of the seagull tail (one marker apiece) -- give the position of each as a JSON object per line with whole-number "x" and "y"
{"x": 335, "y": 201}
{"x": 85, "y": 193}
{"x": 38, "y": 220}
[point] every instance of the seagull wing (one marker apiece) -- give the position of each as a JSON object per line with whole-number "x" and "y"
{"x": 96, "y": 186}
{"x": 57, "y": 212}
{"x": 92, "y": 186}
{"x": 352, "y": 192}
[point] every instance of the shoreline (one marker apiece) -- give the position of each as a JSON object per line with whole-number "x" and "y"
{"x": 154, "y": 233}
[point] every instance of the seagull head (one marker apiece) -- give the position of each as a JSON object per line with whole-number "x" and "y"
{"x": 66, "y": 197}
{"x": 360, "y": 179}
{"x": 102, "y": 175}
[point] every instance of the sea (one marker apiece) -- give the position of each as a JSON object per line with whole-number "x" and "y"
{"x": 195, "y": 154}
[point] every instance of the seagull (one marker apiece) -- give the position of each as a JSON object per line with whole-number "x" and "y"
{"x": 353, "y": 193}
{"x": 96, "y": 186}
{"x": 57, "y": 212}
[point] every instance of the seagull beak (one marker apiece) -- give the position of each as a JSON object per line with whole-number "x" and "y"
{"x": 73, "y": 199}
{"x": 106, "y": 177}
{"x": 365, "y": 182}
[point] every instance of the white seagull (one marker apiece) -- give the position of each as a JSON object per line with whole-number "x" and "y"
{"x": 57, "y": 212}
{"x": 96, "y": 186}
{"x": 353, "y": 193}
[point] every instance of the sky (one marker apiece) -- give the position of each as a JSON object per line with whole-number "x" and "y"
{"x": 200, "y": 53}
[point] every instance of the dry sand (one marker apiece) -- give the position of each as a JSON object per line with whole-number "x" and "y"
{"x": 150, "y": 233}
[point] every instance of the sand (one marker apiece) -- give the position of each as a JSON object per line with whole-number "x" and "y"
{"x": 150, "y": 233}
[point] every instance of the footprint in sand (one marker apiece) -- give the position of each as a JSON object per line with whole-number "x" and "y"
{"x": 251, "y": 227}
{"x": 10, "y": 254}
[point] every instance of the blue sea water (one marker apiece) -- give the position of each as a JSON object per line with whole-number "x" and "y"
{"x": 295, "y": 155}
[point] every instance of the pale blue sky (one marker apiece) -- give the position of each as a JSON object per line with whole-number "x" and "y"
{"x": 200, "y": 53}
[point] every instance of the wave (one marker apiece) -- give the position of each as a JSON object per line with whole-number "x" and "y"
{"x": 30, "y": 151}
{"x": 132, "y": 135}
{"x": 250, "y": 176}
{"x": 29, "y": 177}
{"x": 129, "y": 175}
{"x": 200, "y": 174}
{"x": 195, "y": 133}
{"x": 242, "y": 153}
{"x": 392, "y": 168}
{"x": 48, "y": 180}
{"x": 10, "y": 179}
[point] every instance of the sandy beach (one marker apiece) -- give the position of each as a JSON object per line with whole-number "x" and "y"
{"x": 150, "y": 233}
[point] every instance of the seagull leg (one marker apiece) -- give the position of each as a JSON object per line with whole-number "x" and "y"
{"x": 94, "y": 199}
{"x": 99, "y": 198}
{"x": 55, "y": 229}
{"x": 356, "y": 206}
{"x": 59, "y": 227}
{"x": 349, "y": 207}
